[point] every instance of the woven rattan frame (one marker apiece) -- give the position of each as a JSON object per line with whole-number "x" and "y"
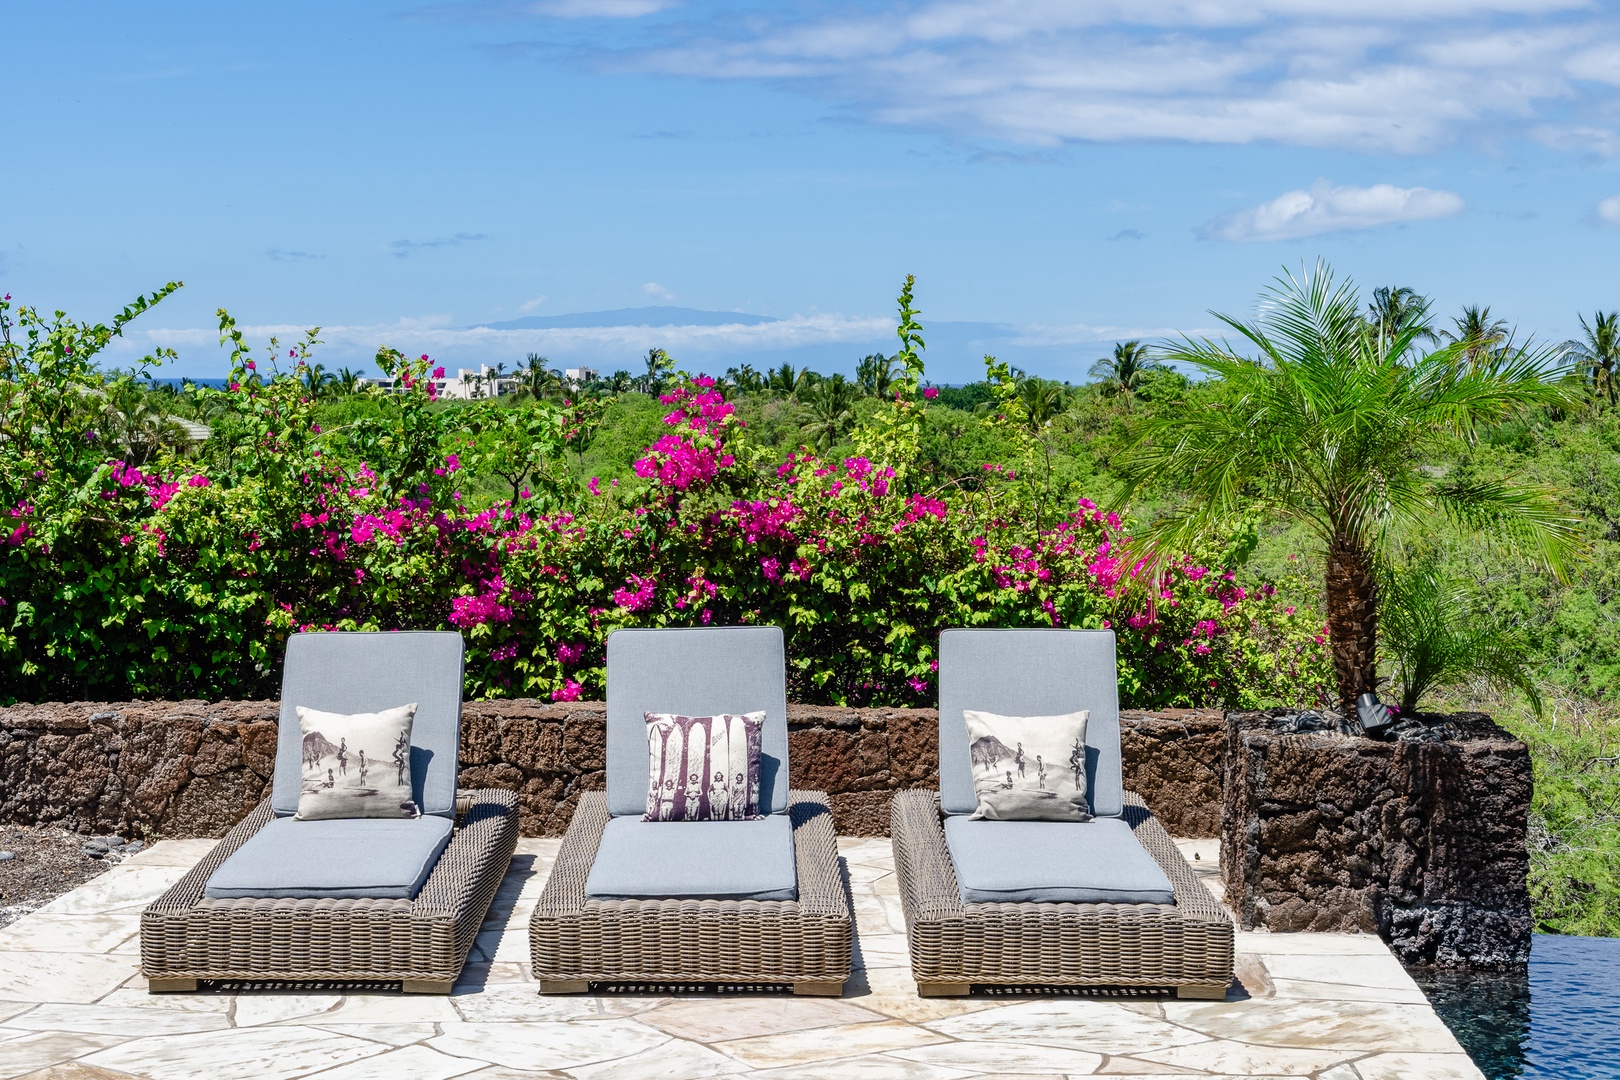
{"x": 420, "y": 943}
{"x": 805, "y": 942}
{"x": 1186, "y": 945}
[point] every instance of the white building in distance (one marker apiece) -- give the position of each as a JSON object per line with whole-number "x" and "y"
{"x": 466, "y": 385}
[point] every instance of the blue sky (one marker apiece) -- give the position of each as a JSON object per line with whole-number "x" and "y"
{"x": 1057, "y": 175}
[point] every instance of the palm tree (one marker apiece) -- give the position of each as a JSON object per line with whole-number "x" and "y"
{"x": 876, "y": 373}
{"x": 1598, "y": 356}
{"x": 1478, "y": 333}
{"x": 1437, "y": 635}
{"x": 1121, "y": 374}
{"x": 1044, "y": 400}
{"x": 786, "y": 380}
{"x": 540, "y": 382}
{"x": 133, "y": 420}
{"x": 620, "y": 382}
{"x": 745, "y": 378}
{"x": 1394, "y": 308}
{"x": 348, "y": 380}
{"x": 319, "y": 381}
{"x": 832, "y": 405}
{"x": 659, "y": 365}
{"x": 1331, "y": 428}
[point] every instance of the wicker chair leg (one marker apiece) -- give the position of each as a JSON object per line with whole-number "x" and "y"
{"x": 1202, "y": 993}
{"x": 428, "y": 986}
{"x": 564, "y": 986}
{"x": 819, "y": 989}
{"x": 164, "y": 986}
{"x": 942, "y": 989}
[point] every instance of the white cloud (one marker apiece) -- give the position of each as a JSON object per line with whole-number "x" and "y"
{"x": 530, "y": 305}
{"x": 1380, "y": 75}
{"x": 405, "y": 248}
{"x": 1608, "y": 211}
{"x": 599, "y": 9}
{"x": 1037, "y": 336}
{"x": 1324, "y": 209}
{"x": 657, "y": 291}
{"x": 432, "y": 335}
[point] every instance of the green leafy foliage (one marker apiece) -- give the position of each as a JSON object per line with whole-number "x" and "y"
{"x": 1436, "y": 634}
{"x": 310, "y": 507}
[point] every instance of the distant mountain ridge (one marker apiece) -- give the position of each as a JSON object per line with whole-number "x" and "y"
{"x": 640, "y": 316}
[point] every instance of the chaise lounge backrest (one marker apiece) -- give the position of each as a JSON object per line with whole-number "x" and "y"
{"x": 701, "y": 671}
{"x": 369, "y": 672}
{"x": 1029, "y": 673}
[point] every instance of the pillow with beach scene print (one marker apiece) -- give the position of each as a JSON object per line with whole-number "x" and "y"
{"x": 1028, "y": 768}
{"x": 356, "y": 765}
{"x": 703, "y": 768}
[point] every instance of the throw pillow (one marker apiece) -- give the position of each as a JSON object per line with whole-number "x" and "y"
{"x": 703, "y": 768}
{"x": 358, "y": 765}
{"x": 1029, "y": 768}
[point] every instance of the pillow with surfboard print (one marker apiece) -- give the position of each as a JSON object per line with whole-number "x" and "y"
{"x": 703, "y": 768}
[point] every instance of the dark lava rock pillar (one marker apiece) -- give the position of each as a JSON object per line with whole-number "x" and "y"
{"x": 1420, "y": 842}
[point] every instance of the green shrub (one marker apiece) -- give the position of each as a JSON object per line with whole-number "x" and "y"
{"x": 183, "y": 576}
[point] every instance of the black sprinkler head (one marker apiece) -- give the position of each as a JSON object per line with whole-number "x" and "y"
{"x": 1374, "y": 715}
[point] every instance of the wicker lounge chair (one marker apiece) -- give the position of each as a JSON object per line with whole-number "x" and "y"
{"x": 999, "y": 924}
{"x": 372, "y": 900}
{"x": 684, "y": 903}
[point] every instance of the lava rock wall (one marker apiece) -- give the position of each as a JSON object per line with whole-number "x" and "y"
{"x": 1420, "y": 842}
{"x": 191, "y": 768}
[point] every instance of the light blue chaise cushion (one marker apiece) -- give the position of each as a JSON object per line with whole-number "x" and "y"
{"x": 1091, "y": 862}
{"x": 1029, "y": 673}
{"x": 700, "y": 671}
{"x": 718, "y": 860}
{"x": 369, "y": 672}
{"x": 344, "y": 858}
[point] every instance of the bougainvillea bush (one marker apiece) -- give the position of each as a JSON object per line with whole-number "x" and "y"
{"x": 183, "y": 574}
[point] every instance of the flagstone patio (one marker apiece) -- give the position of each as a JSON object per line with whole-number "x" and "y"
{"x": 74, "y": 1007}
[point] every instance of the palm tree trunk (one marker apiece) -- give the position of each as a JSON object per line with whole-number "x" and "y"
{"x": 1352, "y": 618}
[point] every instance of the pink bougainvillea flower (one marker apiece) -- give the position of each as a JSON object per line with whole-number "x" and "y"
{"x": 637, "y": 594}
{"x": 930, "y": 392}
{"x": 570, "y": 691}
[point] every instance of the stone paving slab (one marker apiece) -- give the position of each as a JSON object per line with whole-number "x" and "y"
{"x": 74, "y": 1007}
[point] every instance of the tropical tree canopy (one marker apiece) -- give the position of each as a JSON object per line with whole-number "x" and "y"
{"x": 1395, "y": 308}
{"x": 1122, "y": 373}
{"x": 1330, "y": 423}
{"x": 1597, "y": 355}
{"x": 832, "y": 413}
{"x": 1477, "y": 333}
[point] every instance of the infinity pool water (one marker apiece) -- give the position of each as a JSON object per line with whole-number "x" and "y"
{"x": 1560, "y": 1018}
